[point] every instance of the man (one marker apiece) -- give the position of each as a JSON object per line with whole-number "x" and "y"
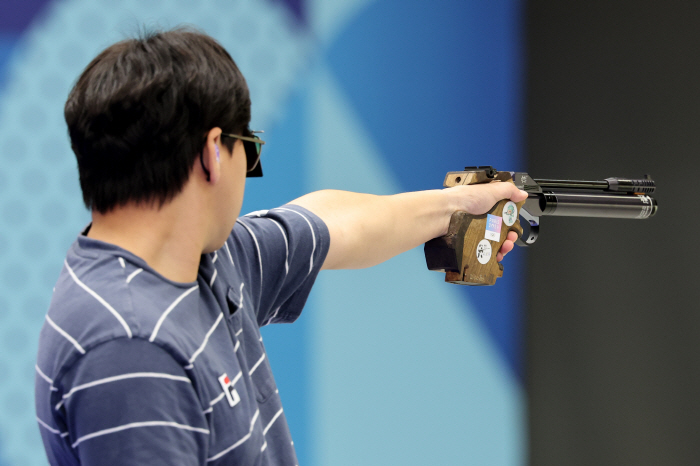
{"x": 151, "y": 351}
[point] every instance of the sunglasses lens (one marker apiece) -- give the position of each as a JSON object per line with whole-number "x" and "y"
{"x": 252, "y": 153}
{"x": 258, "y": 146}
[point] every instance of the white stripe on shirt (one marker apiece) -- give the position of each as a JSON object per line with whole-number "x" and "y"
{"x": 262, "y": 358}
{"x": 232, "y": 447}
{"x": 42, "y": 375}
{"x": 133, "y": 274}
{"x": 255, "y": 418}
{"x": 239, "y": 442}
{"x": 133, "y": 375}
{"x": 206, "y": 338}
{"x": 51, "y": 429}
{"x": 274, "y": 314}
{"x": 65, "y": 335}
{"x": 272, "y": 421}
{"x": 98, "y": 298}
{"x": 217, "y": 399}
{"x": 138, "y": 424}
{"x": 240, "y": 292}
{"x": 313, "y": 235}
{"x": 167, "y": 311}
{"x": 286, "y": 245}
{"x": 213, "y": 277}
{"x": 257, "y": 247}
{"x": 229, "y": 252}
{"x": 257, "y": 213}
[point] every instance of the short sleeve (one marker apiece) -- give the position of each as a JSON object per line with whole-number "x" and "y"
{"x": 282, "y": 251}
{"x": 128, "y": 401}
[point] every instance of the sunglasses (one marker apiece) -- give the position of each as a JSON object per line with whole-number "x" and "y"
{"x": 253, "y": 146}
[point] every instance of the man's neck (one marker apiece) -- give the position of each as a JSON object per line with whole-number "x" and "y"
{"x": 170, "y": 239}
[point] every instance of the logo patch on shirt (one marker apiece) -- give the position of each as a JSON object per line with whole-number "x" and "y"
{"x": 230, "y": 392}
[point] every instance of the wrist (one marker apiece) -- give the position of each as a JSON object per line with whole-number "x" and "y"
{"x": 450, "y": 203}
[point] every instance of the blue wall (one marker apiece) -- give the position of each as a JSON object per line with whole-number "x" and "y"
{"x": 387, "y": 365}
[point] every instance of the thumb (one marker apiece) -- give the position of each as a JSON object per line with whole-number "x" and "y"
{"x": 505, "y": 190}
{"x": 479, "y": 198}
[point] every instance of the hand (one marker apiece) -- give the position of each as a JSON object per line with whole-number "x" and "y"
{"x": 480, "y": 198}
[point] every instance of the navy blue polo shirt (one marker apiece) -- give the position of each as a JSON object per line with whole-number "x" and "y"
{"x": 134, "y": 368}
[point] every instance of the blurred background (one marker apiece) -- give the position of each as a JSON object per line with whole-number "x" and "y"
{"x": 585, "y": 352}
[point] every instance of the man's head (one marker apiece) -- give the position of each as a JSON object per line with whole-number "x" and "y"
{"x": 139, "y": 115}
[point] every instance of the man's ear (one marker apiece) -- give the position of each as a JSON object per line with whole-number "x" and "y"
{"x": 211, "y": 155}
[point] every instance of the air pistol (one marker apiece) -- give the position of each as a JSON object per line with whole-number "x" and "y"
{"x": 467, "y": 254}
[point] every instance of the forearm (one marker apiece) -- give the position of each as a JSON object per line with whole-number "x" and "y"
{"x": 366, "y": 229}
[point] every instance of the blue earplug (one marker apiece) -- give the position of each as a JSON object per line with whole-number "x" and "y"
{"x": 218, "y": 157}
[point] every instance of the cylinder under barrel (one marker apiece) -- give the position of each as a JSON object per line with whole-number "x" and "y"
{"x": 596, "y": 205}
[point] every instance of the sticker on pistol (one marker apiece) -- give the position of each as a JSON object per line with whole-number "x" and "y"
{"x": 510, "y": 213}
{"x": 483, "y": 251}
{"x": 493, "y": 227}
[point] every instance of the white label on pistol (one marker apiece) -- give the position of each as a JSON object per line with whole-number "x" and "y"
{"x": 493, "y": 227}
{"x": 483, "y": 251}
{"x": 510, "y": 213}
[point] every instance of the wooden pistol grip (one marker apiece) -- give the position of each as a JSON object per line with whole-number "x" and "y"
{"x": 478, "y": 264}
{"x": 480, "y": 243}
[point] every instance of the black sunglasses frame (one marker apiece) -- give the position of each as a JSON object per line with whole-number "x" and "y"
{"x": 253, "y": 148}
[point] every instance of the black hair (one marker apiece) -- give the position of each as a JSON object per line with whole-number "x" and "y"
{"x": 139, "y": 114}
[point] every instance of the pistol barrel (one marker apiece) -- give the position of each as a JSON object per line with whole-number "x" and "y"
{"x": 617, "y": 185}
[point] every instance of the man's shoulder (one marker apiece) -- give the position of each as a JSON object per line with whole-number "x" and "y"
{"x": 287, "y": 217}
{"x": 102, "y": 295}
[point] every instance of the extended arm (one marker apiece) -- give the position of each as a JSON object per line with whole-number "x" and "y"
{"x": 366, "y": 229}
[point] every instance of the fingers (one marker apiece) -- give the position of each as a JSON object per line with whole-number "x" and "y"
{"x": 505, "y": 249}
{"x": 508, "y": 245}
{"x": 512, "y": 236}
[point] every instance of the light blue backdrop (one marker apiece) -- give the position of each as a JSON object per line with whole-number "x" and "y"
{"x": 385, "y": 366}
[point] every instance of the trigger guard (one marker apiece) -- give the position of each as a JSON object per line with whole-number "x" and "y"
{"x": 534, "y": 233}
{"x": 532, "y": 236}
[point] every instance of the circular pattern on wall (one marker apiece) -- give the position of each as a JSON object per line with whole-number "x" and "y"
{"x": 40, "y": 198}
